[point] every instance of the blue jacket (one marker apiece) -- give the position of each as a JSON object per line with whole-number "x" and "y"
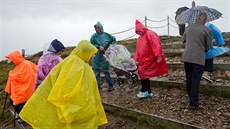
{"x": 215, "y": 51}
{"x": 103, "y": 39}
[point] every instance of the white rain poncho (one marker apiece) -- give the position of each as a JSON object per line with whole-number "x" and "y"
{"x": 119, "y": 57}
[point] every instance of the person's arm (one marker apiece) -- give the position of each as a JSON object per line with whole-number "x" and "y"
{"x": 155, "y": 44}
{"x": 113, "y": 39}
{"x": 93, "y": 42}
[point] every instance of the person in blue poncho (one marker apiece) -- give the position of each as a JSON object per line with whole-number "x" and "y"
{"x": 214, "y": 51}
{"x": 102, "y": 40}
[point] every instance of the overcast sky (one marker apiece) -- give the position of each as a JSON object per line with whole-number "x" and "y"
{"x": 30, "y": 24}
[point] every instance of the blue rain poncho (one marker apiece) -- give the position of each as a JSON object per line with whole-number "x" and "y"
{"x": 215, "y": 51}
{"x": 103, "y": 39}
{"x": 68, "y": 98}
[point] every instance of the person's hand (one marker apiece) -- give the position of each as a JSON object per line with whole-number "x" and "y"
{"x": 101, "y": 48}
{"x": 159, "y": 59}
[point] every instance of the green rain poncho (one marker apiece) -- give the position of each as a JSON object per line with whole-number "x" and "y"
{"x": 103, "y": 39}
{"x": 68, "y": 98}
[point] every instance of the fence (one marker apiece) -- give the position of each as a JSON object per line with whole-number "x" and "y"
{"x": 168, "y": 23}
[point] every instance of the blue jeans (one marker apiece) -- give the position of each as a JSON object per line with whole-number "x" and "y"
{"x": 193, "y": 76}
{"x": 107, "y": 77}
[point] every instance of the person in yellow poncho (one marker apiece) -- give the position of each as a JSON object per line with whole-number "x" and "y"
{"x": 68, "y": 98}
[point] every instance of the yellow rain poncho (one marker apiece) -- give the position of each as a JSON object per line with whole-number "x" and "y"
{"x": 68, "y": 98}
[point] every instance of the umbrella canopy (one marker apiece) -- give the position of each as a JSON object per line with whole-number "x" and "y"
{"x": 180, "y": 10}
{"x": 190, "y": 15}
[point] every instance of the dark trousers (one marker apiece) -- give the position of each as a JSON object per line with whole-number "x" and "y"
{"x": 18, "y": 107}
{"x": 193, "y": 76}
{"x": 209, "y": 65}
{"x": 181, "y": 29}
{"x": 145, "y": 85}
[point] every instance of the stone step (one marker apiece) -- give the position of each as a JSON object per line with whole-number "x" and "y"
{"x": 221, "y": 67}
{"x": 146, "y": 118}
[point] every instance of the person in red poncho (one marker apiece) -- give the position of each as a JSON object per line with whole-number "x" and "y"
{"x": 149, "y": 57}
{"x": 21, "y": 80}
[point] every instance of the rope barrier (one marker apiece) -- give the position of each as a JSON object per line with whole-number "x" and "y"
{"x": 130, "y": 37}
{"x": 173, "y": 26}
{"x": 123, "y": 31}
{"x": 156, "y": 21}
{"x": 172, "y": 20}
{"x": 157, "y": 27}
{"x": 145, "y": 21}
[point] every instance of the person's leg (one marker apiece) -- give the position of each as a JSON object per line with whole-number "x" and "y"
{"x": 97, "y": 74}
{"x": 181, "y": 29}
{"x": 146, "y": 85}
{"x": 188, "y": 73}
{"x": 19, "y": 107}
{"x": 145, "y": 89}
{"x": 196, "y": 77}
{"x": 209, "y": 65}
{"x": 208, "y": 68}
{"x": 108, "y": 78}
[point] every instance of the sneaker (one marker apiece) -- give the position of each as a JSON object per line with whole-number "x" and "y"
{"x": 144, "y": 94}
{"x": 150, "y": 94}
{"x": 208, "y": 78}
{"x": 110, "y": 89}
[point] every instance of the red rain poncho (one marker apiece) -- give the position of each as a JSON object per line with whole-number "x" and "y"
{"x": 21, "y": 80}
{"x": 148, "y": 47}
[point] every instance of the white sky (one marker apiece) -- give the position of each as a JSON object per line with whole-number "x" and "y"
{"x": 29, "y": 24}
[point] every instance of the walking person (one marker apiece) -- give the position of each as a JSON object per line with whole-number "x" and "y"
{"x": 50, "y": 59}
{"x": 149, "y": 58}
{"x": 68, "y": 98}
{"x": 198, "y": 41}
{"x": 102, "y": 40}
{"x": 217, "y": 49}
{"x": 21, "y": 80}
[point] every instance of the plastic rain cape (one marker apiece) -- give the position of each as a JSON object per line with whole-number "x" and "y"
{"x": 68, "y": 98}
{"x": 119, "y": 57}
{"x": 215, "y": 51}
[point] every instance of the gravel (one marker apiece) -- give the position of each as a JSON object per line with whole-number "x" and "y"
{"x": 172, "y": 103}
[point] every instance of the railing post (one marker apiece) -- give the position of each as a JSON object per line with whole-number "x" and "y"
{"x": 193, "y": 4}
{"x": 168, "y": 25}
{"x": 23, "y": 52}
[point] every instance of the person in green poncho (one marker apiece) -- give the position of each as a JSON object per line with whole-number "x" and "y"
{"x": 68, "y": 98}
{"x": 101, "y": 40}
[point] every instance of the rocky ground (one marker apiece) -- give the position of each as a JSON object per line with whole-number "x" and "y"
{"x": 172, "y": 103}
{"x": 218, "y": 60}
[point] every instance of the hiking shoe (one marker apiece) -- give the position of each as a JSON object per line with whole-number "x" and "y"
{"x": 208, "y": 78}
{"x": 110, "y": 89}
{"x": 144, "y": 94}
